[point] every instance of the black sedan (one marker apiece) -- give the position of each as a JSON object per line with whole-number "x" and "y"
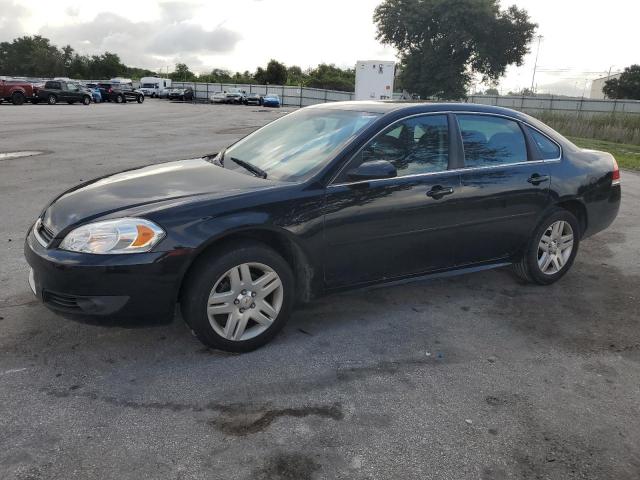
{"x": 181, "y": 94}
{"x": 329, "y": 197}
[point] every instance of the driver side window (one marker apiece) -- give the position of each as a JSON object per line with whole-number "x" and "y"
{"x": 414, "y": 146}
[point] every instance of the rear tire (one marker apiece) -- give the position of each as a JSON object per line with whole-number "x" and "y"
{"x": 52, "y": 99}
{"x": 233, "y": 274}
{"x": 546, "y": 260}
{"x": 119, "y": 99}
{"x": 17, "y": 98}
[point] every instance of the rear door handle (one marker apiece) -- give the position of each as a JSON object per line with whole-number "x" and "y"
{"x": 438, "y": 191}
{"x": 536, "y": 179}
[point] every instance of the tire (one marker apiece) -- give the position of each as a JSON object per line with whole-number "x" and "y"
{"x": 140, "y": 98}
{"x": 119, "y": 99}
{"x": 86, "y": 100}
{"x": 213, "y": 271}
{"x": 529, "y": 267}
{"x": 52, "y": 99}
{"x": 17, "y": 98}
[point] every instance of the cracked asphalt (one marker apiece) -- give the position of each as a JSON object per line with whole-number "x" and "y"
{"x": 470, "y": 377}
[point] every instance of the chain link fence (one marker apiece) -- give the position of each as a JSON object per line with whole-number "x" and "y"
{"x": 292, "y": 96}
{"x": 536, "y": 105}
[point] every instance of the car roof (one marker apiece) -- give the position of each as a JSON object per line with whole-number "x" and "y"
{"x": 411, "y": 107}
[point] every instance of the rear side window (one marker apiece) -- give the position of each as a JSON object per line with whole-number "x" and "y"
{"x": 547, "y": 148}
{"x": 490, "y": 141}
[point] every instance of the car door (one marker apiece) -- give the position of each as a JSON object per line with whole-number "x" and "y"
{"x": 75, "y": 94}
{"x": 393, "y": 227}
{"x": 504, "y": 188}
{"x": 63, "y": 93}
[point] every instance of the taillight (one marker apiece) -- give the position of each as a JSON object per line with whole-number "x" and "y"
{"x": 615, "y": 176}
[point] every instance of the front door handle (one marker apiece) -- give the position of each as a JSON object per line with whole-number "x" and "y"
{"x": 537, "y": 179}
{"x": 438, "y": 191}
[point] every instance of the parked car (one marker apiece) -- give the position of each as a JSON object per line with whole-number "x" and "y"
{"x": 16, "y": 91}
{"x": 271, "y": 100}
{"x": 55, "y": 91}
{"x": 253, "y": 99}
{"x": 326, "y": 198}
{"x": 95, "y": 92}
{"x": 119, "y": 92}
{"x": 181, "y": 94}
{"x": 218, "y": 97}
{"x": 235, "y": 96}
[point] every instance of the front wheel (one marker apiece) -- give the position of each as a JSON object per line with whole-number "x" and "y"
{"x": 52, "y": 99}
{"x": 140, "y": 98}
{"x": 86, "y": 100}
{"x": 17, "y": 98}
{"x": 119, "y": 99}
{"x": 239, "y": 298}
{"x": 552, "y": 249}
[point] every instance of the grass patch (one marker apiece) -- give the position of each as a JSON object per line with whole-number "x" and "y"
{"x": 628, "y": 156}
{"x": 619, "y": 127}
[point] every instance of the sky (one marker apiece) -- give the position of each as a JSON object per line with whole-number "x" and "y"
{"x": 582, "y": 39}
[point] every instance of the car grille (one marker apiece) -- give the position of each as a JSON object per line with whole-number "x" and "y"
{"x": 59, "y": 300}
{"x": 44, "y": 235}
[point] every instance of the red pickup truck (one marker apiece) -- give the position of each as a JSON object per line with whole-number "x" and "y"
{"x": 16, "y": 92}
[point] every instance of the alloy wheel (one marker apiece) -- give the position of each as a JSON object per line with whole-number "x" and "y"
{"x": 555, "y": 247}
{"x": 245, "y": 301}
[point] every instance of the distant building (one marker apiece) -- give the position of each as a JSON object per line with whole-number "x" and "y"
{"x": 598, "y": 84}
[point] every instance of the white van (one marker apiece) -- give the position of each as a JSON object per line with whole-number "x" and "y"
{"x": 155, "y": 86}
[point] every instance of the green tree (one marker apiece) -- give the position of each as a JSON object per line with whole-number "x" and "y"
{"x": 274, "y": 74}
{"x": 627, "y": 86}
{"x": 492, "y": 91}
{"x": 295, "y": 76}
{"x": 182, "y": 73}
{"x": 331, "y": 77}
{"x": 442, "y": 43}
{"x": 31, "y": 56}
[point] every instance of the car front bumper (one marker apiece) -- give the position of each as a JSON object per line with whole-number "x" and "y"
{"x": 144, "y": 284}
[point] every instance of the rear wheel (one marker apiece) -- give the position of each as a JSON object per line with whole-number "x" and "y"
{"x": 17, "y": 98}
{"x": 239, "y": 298}
{"x": 119, "y": 98}
{"x": 552, "y": 249}
{"x": 52, "y": 99}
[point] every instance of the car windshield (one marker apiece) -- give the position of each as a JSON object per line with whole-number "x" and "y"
{"x": 298, "y": 145}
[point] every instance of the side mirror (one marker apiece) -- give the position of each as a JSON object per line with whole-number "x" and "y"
{"x": 373, "y": 170}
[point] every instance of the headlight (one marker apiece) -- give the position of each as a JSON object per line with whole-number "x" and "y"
{"x": 124, "y": 235}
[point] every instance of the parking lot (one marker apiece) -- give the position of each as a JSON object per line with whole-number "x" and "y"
{"x": 469, "y": 377}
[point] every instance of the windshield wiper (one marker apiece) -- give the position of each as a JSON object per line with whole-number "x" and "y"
{"x": 257, "y": 171}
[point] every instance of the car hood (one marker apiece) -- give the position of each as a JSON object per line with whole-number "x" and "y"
{"x": 147, "y": 186}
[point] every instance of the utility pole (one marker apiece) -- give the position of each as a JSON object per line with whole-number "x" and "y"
{"x": 535, "y": 65}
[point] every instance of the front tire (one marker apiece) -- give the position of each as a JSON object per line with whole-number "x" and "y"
{"x": 86, "y": 100}
{"x": 238, "y": 298}
{"x": 551, "y": 250}
{"x": 52, "y": 99}
{"x": 17, "y": 98}
{"x": 119, "y": 99}
{"x": 140, "y": 98}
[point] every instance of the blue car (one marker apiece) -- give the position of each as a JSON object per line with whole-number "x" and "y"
{"x": 271, "y": 100}
{"x": 95, "y": 92}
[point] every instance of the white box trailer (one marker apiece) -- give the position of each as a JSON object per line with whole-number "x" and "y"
{"x": 155, "y": 86}
{"x": 374, "y": 79}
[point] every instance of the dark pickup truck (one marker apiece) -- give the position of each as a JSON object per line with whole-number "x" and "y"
{"x": 55, "y": 91}
{"x": 119, "y": 92}
{"x": 15, "y": 91}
